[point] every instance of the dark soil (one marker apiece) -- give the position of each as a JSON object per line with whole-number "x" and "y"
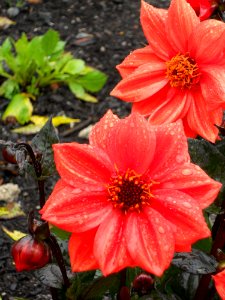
{"x": 112, "y": 30}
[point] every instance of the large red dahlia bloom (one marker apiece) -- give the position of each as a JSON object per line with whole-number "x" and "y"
{"x": 220, "y": 283}
{"x": 181, "y": 73}
{"x": 204, "y": 8}
{"x": 131, "y": 197}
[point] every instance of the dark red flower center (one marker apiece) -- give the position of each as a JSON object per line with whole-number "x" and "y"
{"x": 129, "y": 191}
{"x": 182, "y": 71}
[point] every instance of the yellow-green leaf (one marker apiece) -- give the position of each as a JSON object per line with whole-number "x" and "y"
{"x": 19, "y": 107}
{"x": 15, "y": 234}
{"x": 60, "y": 120}
{"x": 88, "y": 98}
{"x": 11, "y": 210}
{"x": 39, "y": 122}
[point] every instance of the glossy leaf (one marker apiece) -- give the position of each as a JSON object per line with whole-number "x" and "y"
{"x": 195, "y": 262}
{"x": 42, "y": 143}
{"x": 50, "y": 275}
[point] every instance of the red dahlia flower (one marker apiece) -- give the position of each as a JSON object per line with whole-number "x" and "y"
{"x": 181, "y": 73}
{"x": 204, "y": 8}
{"x": 131, "y": 197}
{"x": 220, "y": 283}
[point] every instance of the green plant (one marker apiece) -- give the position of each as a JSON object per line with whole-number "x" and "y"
{"x": 28, "y": 66}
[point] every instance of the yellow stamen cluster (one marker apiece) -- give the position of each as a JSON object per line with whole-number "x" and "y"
{"x": 129, "y": 192}
{"x": 182, "y": 71}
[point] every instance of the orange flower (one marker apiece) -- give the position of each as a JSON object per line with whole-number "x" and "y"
{"x": 204, "y": 8}
{"x": 181, "y": 73}
{"x": 131, "y": 197}
{"x": 219, "y": 279}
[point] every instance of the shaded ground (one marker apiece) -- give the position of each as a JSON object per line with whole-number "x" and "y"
{"x": 112, "y": 30}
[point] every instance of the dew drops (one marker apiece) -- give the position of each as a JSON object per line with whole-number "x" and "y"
{"x": 161, "y": 230}
{"x": 187, "y": 204}
{"x": 179, "y": 159}
{"x": 186, "y": 172}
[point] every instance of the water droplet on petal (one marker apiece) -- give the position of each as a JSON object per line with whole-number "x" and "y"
{"x": 179, "y": 159}
{"x": 187, "y": 204}
{"x": 161, "y": 230}
{"x": 186, "y": 172}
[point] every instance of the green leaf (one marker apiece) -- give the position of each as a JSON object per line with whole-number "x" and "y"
{"x": 80, "y": 93}
{"x": 62, "y": 234}
{"x": 49, "y": 41}
{"x": 204, "y": 245}
{"x": 5, "y": 49}
{"x": 76, "y": 89}
{"x": 93, "y": 81}
{"x": 19, "y": 107}
{"x": 9, "y": 88}
{"x": 74, "y": 66}
{"x": 21, "y": 45}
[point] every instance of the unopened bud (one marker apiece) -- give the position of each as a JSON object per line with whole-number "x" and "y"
{"x": 29, "y": 254}
{"x": 143, "y": 284}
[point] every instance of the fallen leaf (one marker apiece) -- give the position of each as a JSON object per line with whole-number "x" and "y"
{"x": 39, "y": 122}
{"x": 5, "y": 22}
{"x": 15, "y": 234}
{"x": 11, "y": 210}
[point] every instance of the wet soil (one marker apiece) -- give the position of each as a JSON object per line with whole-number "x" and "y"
{"x": 112, "y": 30}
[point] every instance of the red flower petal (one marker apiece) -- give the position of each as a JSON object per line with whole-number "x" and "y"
{"x": 137, "y": 58}
{"x": 212, "y": 86}
{"x": 150, "y": 241}
{"x": 144, "y": 82}
{"x": 80, "y": 165}
{"x": 81, "y": 251}
{"x": 182, "y": 20}
{"x": 130, "y": 138}
{"x": 171, "y": 109}
{"x": 219, "y": 279}
{"x": 203, "y": 40}
{"x": 200, "y": 187}
{"x": 145, "y": 107}
{"x": 183, "y": 212}
{"x": 74, "y": 210}
{"x": 171, "y": 150}
{"x": 153, "y": 21}
{"x": 101, "y": 132}
{"x": 110, "y": 247}
{"x": 199, "y": 118}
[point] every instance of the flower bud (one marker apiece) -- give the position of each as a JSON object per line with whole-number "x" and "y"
{"x": 30, "y": 254}
{"x": 9, "y": 155}
{"x": 143, "y": 284}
